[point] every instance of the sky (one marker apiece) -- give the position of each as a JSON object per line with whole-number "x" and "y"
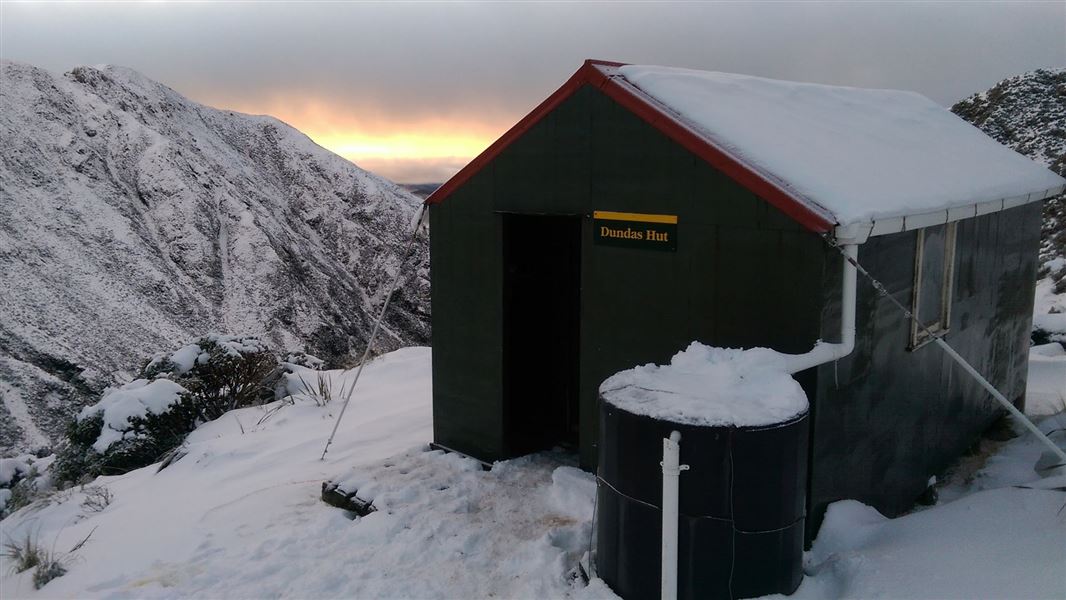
{"x": 414, "y": 90}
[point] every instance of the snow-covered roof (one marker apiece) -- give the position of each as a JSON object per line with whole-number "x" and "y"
{"x": 863, "y": 161}
{"x": 863, "y": 155}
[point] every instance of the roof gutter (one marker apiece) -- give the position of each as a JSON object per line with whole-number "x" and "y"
{"x": 884, "y": 226}
{"x": 848, "y": 237}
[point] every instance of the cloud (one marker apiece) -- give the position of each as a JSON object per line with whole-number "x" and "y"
{"x": 472, "y": 69}
{"x": 415, "y": 170}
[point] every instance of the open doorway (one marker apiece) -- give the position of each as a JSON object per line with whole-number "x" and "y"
{"x": 541, "y": 323}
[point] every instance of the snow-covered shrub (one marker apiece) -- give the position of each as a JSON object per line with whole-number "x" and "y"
{"x": 97, "y": 498}
{"x": 136, "y": 424}
{"x": 22, "y": 482}
{"x": 14, "y": 469}
{"x": 221, "y": 373}
{"x": 303, "y": 359}
{"x": 22, "y": 493}
{"x": 129, "y": 428}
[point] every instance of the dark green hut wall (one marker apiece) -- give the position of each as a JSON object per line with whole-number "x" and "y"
{"x": 743, "y": 274}
{"x": 466, "y": 270}
{"x": 886, "y": 418}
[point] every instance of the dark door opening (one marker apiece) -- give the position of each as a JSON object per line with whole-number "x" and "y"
{"x": 541, "y": 323}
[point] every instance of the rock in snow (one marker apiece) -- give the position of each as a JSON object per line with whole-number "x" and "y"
{"x": 133, "y": 219}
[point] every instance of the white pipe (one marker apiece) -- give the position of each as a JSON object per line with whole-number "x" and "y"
{"x": 420, "y": 220}
{"x": 672, "y": 468}
{"x": 1002, "y": 399}
{"x": 823, "y": 353}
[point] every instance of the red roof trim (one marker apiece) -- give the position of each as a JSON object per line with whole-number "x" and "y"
{"x": 596, "y": 73}
{"x": 578, "y": 79}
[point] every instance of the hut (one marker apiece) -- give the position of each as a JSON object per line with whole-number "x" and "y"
{"x": 638, "y": 209}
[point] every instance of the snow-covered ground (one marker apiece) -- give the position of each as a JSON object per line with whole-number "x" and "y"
{"x": 1046, "y": 393}
{"x": 999, "y": 532}
{"x": 1047, "y": 380}
{"x": 240, "y": 516}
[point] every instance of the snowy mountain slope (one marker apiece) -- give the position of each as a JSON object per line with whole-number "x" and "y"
{"x": 1028, "y": 114}
{"x": 133, "y": 219}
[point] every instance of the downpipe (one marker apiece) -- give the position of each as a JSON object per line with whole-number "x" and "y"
{"x": 671, "y": 464}
{"x": 822, "y": 352}
{"x": 672, "y": 468}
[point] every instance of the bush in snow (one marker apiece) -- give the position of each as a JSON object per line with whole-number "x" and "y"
{"x": 317, "y": 387}
{"x": 22, "y": 482}
{"x": 303, "y": 359}
{"x": 129, "y": 428}
{"x": 28, "y": 553}
{"x": 23, "y": 555}
{"x": 137, "y": 423}
{"x": 221, "y": 373}
{"x": 97, "y": 498}
{"x": 51, "y": 567}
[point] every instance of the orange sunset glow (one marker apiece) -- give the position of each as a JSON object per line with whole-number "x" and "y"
{"x": 427, "y": 150}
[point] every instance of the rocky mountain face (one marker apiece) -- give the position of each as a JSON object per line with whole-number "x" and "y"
{"x": 133, "y": 220}
{"x": 1028, "y": 114}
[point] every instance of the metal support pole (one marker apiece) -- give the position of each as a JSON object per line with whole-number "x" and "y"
{"x": 1007, "y": 404}
{"x": 422, "y": 214}
{"x": 1017, "y": 414}
{"x": 671, "y": 476}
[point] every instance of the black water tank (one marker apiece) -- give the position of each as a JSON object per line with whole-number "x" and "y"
{"x": 741, "y": 504}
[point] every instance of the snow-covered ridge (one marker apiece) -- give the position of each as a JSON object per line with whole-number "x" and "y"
{"x": 132, "y": 219}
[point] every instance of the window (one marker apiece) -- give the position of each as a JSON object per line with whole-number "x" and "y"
{"x": 934, "y": 270}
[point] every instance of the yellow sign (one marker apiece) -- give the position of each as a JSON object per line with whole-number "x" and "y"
{"x": 639, "y": 217}
{"x": 635, "y": 230}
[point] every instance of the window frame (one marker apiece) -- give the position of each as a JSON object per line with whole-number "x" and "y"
{"x": 942, "y": 325}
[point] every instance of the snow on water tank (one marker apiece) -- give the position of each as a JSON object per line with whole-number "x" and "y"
{"x": 743, "y": 424}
